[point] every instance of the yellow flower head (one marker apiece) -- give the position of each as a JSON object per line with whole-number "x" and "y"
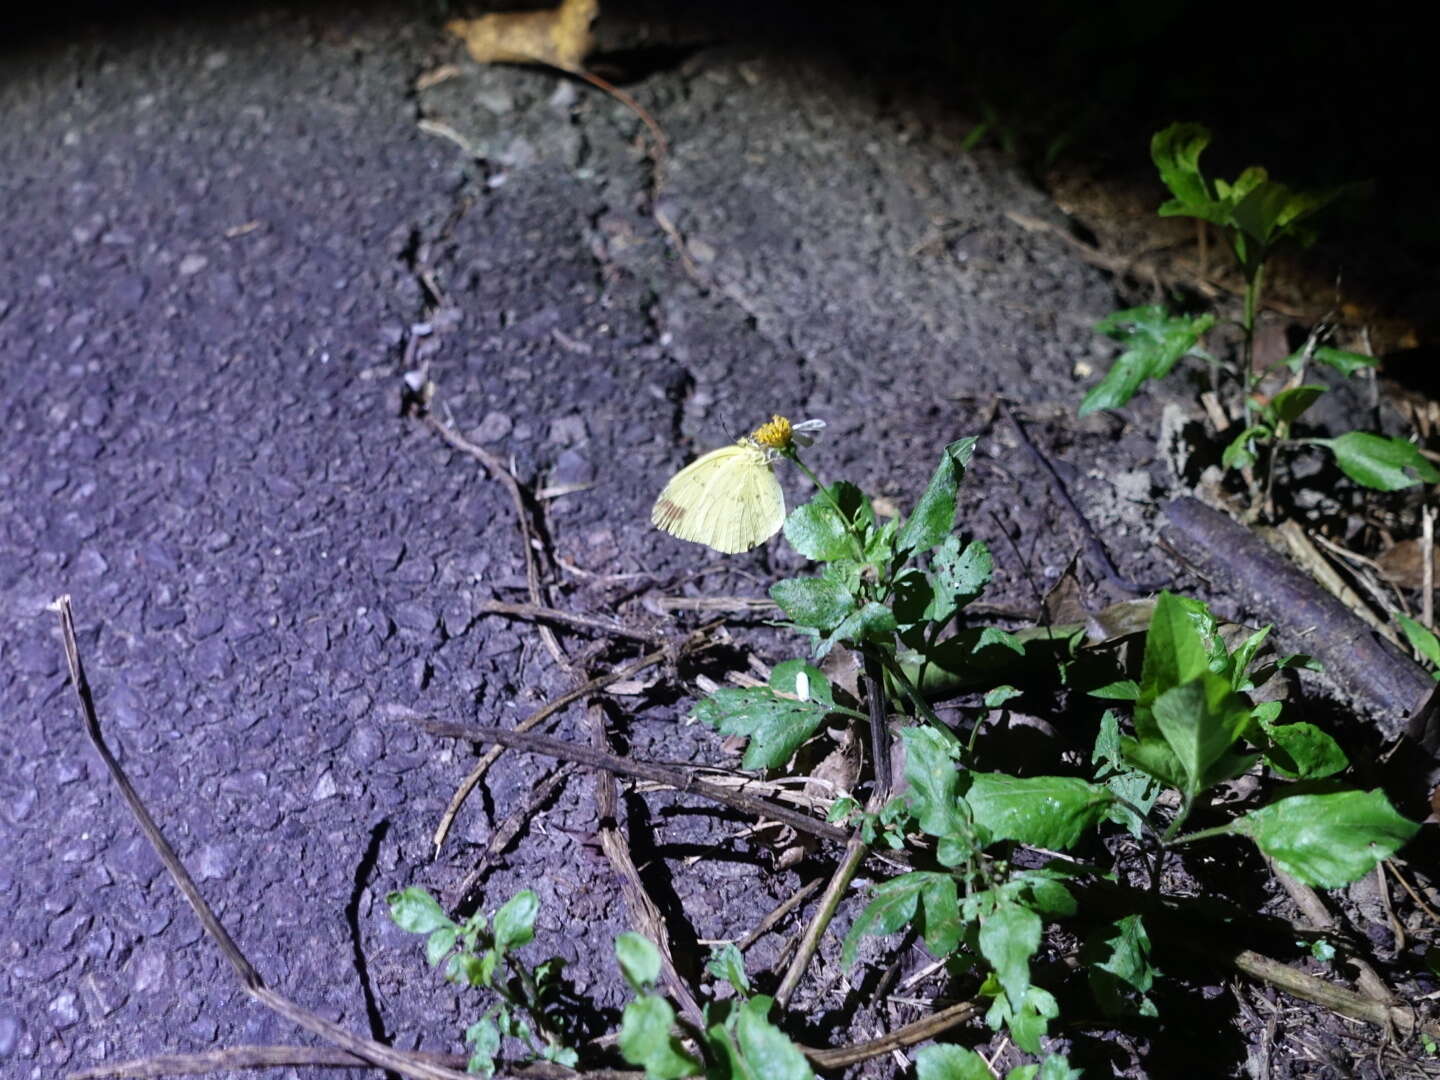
{"x": 778, "y": 434}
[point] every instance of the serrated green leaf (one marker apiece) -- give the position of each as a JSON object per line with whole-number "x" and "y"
{"x": 873, "y": 622}
{"x": 1176, "y": 153}
{"x": 1154, "y": 342}
{"x": 1044, "y": 811}
{"x": 1380, "y": 463}
{"x": 514, "y": 924}
{"x": 819, "y": 531}
{"x": 939, "y": 900}
{"x": 1118, "y": 957}
{"x": 958, "y": 576}
{"x": 1009, "y": 936}
{"x": 1029, "y": 1022}
{"x": 415, "y": 910}
{"x": 776, "y": 725}
{"x": 822, "y": 603}
{"x": 727, "y": 965}
{"x": 934, "y": 516}
{"x": 645, "y": 1040}
{"x": 1328, "y": 839}
{"x": 892, "y": 905}
{"x": 639, "y": 960}
{"x": 945, "y": 1061}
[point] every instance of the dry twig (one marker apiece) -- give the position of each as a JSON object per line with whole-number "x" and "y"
{"x": 385, "y": 1057}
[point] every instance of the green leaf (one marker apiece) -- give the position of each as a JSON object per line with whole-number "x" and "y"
{"x": 934, "y": 517}
{"x": 484, "y": 1039}
{"x": 439, "y": 944}
{"x": 515, "y": 922}
{"x": 944, "y": 1061}
{"x": 1008, "y": 938}
{"x": 1176, "y": 153}
{"x": 1044, "y": 811}
{"x": 1243, "y": 657}
{"x": 1347, "y": 363}
{"x": 1057, "y": 1067}
{"x": 1123, "y": 690}
{"x": 471, "y": 969}
{"x": 1303, "y": 751}
{"x": 727, "y": 965}
{"x": 415, "y": 910}
{"x": 1421, "y": 639}
{"x": 774, "y": 718}
{"x": 639, "y": 960}
{"x": 873, "y": 622}
{"x": 1154, "y": 342}
{"x": 1288, "y": 405}
{"x": 958, "y": 576}
{"x": 1328, "y": 839}
{"x": 1175, "y": 650}
{"x": 891, "y": 906}
{"x": 821, "y": 602}
{"x": 1049, "y": 897}
{"x": 933, "y": 775}
{"x": 1238, "y": 454}
{"x": 1380, "y": 463}
{"x": 1154, "y": 757}
{"x": 1118, "y": 957}
{"x": 1200, "y": 721}
{"x": 993, "y": 635}
{"x": 943, "y": 928}
{"x": 769, "y": 1054}
{"x": 997, "y": 697}
{"x": 645, "y": 1040}
{"x": 1260, "y": 211}
{"x": 1027, "y": 1023}
{"x": 820, "y": 532}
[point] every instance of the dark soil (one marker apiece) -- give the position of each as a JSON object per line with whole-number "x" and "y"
{"x": 227, "y": 237}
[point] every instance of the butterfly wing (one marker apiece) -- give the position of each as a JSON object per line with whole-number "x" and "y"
{"x": 727, "y": 499}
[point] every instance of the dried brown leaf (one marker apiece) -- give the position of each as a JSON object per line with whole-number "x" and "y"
{"x": 558, "y": 36}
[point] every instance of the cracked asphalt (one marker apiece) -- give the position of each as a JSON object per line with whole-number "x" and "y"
{"x": 225, "y": 241}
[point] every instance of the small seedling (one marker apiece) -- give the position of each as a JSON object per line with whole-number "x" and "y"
{"x": 738, "y": 1041}
{"x": 1255, "y": 215}
{"x": 481, "y": 953}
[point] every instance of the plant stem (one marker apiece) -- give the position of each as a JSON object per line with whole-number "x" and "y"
{"x": 879, "y": 721}
{"x": 1201, "y": 834}
{"x": 916, "y": 698}
{"x": 1185, "y": 806}
{"x": 855, "y": 852}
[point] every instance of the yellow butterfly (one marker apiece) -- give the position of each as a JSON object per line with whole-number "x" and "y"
{"x": 729, "y": 499}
